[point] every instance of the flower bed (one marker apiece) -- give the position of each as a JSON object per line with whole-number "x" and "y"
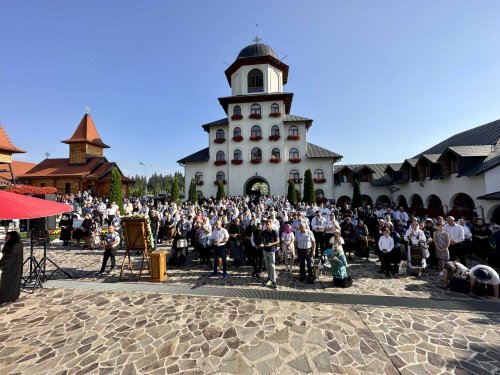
{"x": 274, "y": 137}
{"x": 294, "y": 160}
{"x": 32, "y": 190}
{"x": 237, "y": 138}
{"x": 220, "y": 162}
{"x": 256, "y": 161}
{"x": 275, "y": 114}
{"x": 256, "y": 138}
{"x": 216, "y": 182}
{"x": 293, "y": 137}
{"x": 236, "y": 162}
{"x": 219, "y": 140}
{"x": 319, "y": 180}
{"x": 255, "y": 116}
{"x": 275, "y": 160}
{"x": 236, "y": 117}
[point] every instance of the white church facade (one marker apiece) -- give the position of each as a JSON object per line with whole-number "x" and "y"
{"x": 259, "y": 141}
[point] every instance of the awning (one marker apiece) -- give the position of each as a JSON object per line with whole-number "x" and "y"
{"x": 17, "y": 206}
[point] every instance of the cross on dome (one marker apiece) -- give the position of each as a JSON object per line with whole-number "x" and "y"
{"x": 257, "y": 40}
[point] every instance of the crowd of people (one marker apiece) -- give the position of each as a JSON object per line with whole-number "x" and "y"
{"x": 261, "y": 231}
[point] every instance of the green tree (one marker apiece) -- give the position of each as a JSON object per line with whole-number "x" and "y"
{"x": 115, "y": 188}
{"x": 356, "y": 194}
{"x": 193, "y": 197}
{"x": 220, "y": 190}
{"x": 174, "y": 191}
{"x": 309, "y": 196}
{"x": 292, "y": 193}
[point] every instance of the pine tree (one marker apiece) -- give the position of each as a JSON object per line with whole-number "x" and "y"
{"x": 356, "y": 194}
{"x": 220, "y": 190}
{"x": 115, "y": 188}
{"x": 309, "y": 196}
{"x": 193, "y": 197}
{"x": 292, "y": 193}
{"x": 174, "y": 192}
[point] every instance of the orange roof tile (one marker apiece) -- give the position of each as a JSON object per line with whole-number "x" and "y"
{"x": 18, "y": 167}
{"x": 6, "y": 145}
{"x": 62, "y": 167}
{"x": 86, "y": 132}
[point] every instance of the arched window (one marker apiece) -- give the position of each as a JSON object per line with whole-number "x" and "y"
{"x": 219, "y": 134}
{"x": 237, "y": 155}
{"x": 293, "y": 131}
{"x": 255, "y": 81}
{"x": 320, "y": 194}
{"x": 318, "y": 173}
{"x": 237, "y": 132}
{"x": 236, "y": 110}
{"x": 275, "y": 108}
{"x": 275, "y": 153}
{"x": 275, "y": 130}
{"x": 220, "y": 156}
{"x": 294, "y": 153}
{"x": 256, "y": 131}
{"x": 198, "y": 177}
{"x": 255, "y": 109}
{"x": 294, "y": 174}
{"x": 256, "y": 153}
{"x": 220, "y": 176}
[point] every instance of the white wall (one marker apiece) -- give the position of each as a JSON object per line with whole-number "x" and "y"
{"x": 492, "y": 180}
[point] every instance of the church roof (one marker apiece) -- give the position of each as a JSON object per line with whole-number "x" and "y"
{"x": 294, "y": 118}
{"x": 199, "y": 156}
{"x": 221, "y": 122}
{"x": 491, "y": 161}
{"x": 6, "y": 144}
{"x": 257, "y": 49}
{"x": 287, "y": 98}
{"x": 18, "y": 168}
{"x": 314, "y": 151}
{"x": 86, "y": 132}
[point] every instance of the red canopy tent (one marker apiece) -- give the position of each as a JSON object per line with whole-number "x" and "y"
{"x": 16, "y": 206}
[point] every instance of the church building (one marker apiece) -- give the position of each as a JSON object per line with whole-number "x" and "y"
{"x": 259, "y": 142}
{"x": 86, "y": 168}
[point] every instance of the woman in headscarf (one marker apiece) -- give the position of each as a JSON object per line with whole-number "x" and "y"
{"x": 416, "y": 241}
{"x": 11, "y": 266}
{"x": 338, "y": 262}
{"x": 288, "y": 246}
{"x": 66, "y": 225}
{"x": 77, "y": 228}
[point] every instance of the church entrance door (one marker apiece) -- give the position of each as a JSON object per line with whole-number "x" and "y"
{"x": 256, "y": 186}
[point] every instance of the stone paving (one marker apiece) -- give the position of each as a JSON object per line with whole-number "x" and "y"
{"x": 74, "y": 331}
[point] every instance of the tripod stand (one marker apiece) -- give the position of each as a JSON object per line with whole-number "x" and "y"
{"x": 35, "y": 278}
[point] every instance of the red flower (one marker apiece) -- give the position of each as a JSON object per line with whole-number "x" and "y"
{"x": 275, "y": 114}
{"x": 274, "y": 137}
{"x": 219, "y": 140}
{"x": 319, "y": 180}
{"x": 32, "y": 190}
{"x": 199, "y": 183}
{"x": 294, "y": 160}
{"x": 256, "y": 138}
{"x": 256, "y": 161}
{"x": 237, "y": 138}
{"x": 220, "y": 162}
{"x": 236, "y": 117}
{"x": 293, "y": 137}
{"x": 255, "y": 116}
{"x": 275, "y": 160}
{"x": 236, "y": 162}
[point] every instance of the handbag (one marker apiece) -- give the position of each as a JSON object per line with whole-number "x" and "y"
{"x": 403, "y": 266}
{"x": 181, "y": 243}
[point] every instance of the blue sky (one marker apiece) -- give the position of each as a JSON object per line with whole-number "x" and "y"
{"x": 383, "y": 80}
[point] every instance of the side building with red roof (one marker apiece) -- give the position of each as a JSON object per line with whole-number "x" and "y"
{"x": 86, "y": 168}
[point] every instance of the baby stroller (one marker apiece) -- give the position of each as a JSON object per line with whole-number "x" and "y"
{"x": 95, "y": 236}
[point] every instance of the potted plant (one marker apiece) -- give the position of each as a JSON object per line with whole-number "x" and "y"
{"x": 275, "y": 114}
{"x": 220, "y": 162}
{"x": 237, "y": 138}
{"x": 275, "y": 160}
{"x": 255, "y": 161}
{"x": 293, "y": 137}
{"x": 216, "y": 182}
{"x": 236, "y": 161}
{"x": 236, "y": 117}
{"x": 319, "y": 180}
{"x": 219, "y": 140}
{"x": 294, "y": 160}
{"x": 256, "y": 138}
{"x": 274, "y": 137}
{"x": 255, "y": 116}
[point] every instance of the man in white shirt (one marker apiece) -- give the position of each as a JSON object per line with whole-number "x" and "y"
{"x": 318, "y": 227}
{"x": 401, "y": 215}
{"x": 220, "y": 236}
{"x": 457, "y": 237}
{"x": 386, "y": 244}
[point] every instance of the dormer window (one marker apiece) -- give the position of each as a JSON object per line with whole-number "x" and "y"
{"x": 255, "y": 81}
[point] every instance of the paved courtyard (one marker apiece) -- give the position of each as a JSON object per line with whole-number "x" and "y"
{"x": 194, "y": 324}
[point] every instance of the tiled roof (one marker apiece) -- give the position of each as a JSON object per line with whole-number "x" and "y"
{"x": 18, "y": 167}
{"x": 314, "y": 151}
{"x": 294, "y": 118}
{"x": 393, "y": 166}
{"x": 487, "y": 134}
{"x": 6, "y": 145}
{"x": 221, "y": 122}
{"x": 378, "y": 169}
{"x": 62, "y": 167}
{"x": 86, "y": 132}
{"x": 412, "y": 162}
{"x": 197, "y": 157}
{"x": 490, "y": 196}
{"x": 474, "y": 150}
{"x": 433, "y": 158}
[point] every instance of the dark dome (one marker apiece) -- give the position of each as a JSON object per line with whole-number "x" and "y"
{"x": 258, "y": 49}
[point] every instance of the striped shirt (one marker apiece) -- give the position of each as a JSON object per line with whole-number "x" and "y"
{"x": 304, "y": 239}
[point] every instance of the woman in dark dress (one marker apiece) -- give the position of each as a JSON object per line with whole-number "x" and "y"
{"x": 66, "y": 225}
{"x": 11, "y": 266}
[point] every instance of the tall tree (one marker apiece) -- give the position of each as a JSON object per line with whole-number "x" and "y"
{"x": 356, "y": 194}
{"x": 115, "y": 188}
{"x": 220, "y": 190}
{"x": 292, "y": 193}
{"x": 174, "y": 191}
{"x": 193, "y": 197}
{"x": 309, "y": 196}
